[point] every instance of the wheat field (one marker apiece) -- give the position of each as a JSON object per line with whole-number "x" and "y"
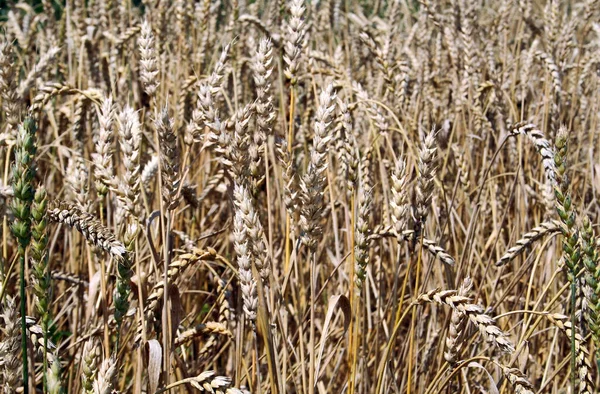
{"x": 327, "y": 196}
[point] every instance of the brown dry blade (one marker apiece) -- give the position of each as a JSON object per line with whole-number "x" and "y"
{"x": 176, "y": 310}
{"x": 344, "y": 304}
{"x": 493, "y": 387}
{"x": 151, "y": 218}
{"x": 154, "y": 364}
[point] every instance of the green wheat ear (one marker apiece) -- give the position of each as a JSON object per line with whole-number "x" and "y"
{"x": 23, "y": 175}
{"x": 39, "y": 265}
{"x": 571, "y": 252}
{"x": 592, "y": 277}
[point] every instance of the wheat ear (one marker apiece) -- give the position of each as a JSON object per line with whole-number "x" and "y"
{"x": 265, "y": 115}
{"x": 130, "y": 135}
{"x": 313, "y": 183}
{"x": 254, "y": 230}
{"x": 456, "y": 329}
{"x": 583, "y": 368}
{"x": 210, "y": 328}
{"x": 528, "y": 239}
{"x": 148, "y": 60}
{"x": 23, "y": 174}
{"x": 176, "y": 268}
{"x": 361, "y": 238}
{"x": 424, "y": 190}
{"x": 408, "y": 235}
{"x": 590, "y": 263}
{"x": 518, "y": 380}
{"x": 169, "y": 159}
{"x": 89, "y": 365}
{"x": 544, "y": 147}
{"x": 399, "y": 203}
{"x": 244, "y": 257}
{"x": 102, "y": 157}
{"x": 93, "y": 231}
{"x": 9, "y": 346}
{"x": 294, "y": 40}
{"x": 104, "y": 383}
{"x": 475, "y": 313}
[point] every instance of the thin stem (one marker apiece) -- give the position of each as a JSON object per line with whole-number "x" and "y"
{"x": 23, "y": 320}
{"x": 311, "y": 371}
{"x": 106, "y": 342}
{"x": 414, "y": 318}
{"x": 573, "y": 325}
{"x": 290, "y": 144}
{"x": 353, "y": 326}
